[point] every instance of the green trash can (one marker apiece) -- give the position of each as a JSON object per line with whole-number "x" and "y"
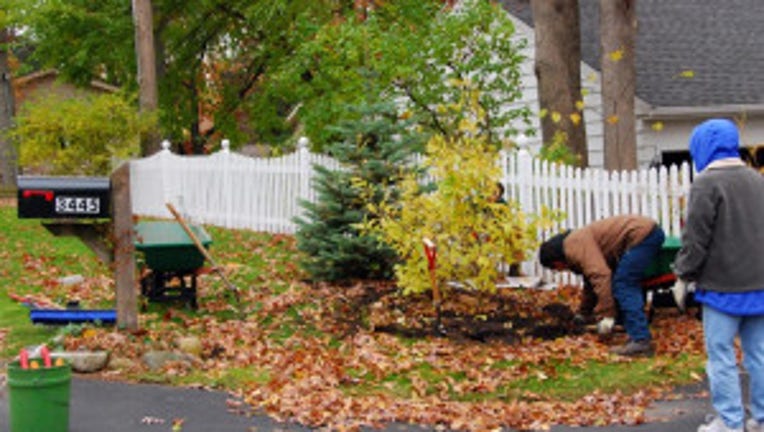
{"x": 39, "y": 398}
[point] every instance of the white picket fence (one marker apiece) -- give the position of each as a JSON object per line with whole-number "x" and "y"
{"x": 263, "y": 194}
{"x": 226, "y": 189}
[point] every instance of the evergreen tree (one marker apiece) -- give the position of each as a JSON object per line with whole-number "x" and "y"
{"x": 373, "y": 149}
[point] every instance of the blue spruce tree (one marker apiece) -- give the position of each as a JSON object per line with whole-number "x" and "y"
{"x": 375, "y": 147}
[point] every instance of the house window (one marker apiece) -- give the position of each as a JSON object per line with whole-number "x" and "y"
{"x": 753, "y": 156}
{"x": 675, "y": 157}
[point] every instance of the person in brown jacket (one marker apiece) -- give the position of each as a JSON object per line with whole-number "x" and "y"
{"x": 612, "y": 255}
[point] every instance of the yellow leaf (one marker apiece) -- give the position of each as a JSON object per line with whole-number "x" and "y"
{"x": 543, "y": 112}
{"x": 556, "y": 117}
{"x": 613, "y": 119}
{"x": 580, "y": 105}
{"x": 657, "y": 126}
{"x": 592, "y": 77}
{"x": 575, "y": 118}
{"x": 455, "y": 82}
{"x": 616, "y": 55}
{"x": 687, "y": 74}
{"x": 467, "y": 125}
{"x": 584, "y": 91}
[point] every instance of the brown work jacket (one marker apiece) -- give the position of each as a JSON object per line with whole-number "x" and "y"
{"x": 595, "y": 249}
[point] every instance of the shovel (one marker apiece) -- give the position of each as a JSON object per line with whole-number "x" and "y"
{"x": 204, "y": 251}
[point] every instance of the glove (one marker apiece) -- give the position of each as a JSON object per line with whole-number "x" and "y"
{"x": 679, "y": 291}
{"x": 605, "y": 326}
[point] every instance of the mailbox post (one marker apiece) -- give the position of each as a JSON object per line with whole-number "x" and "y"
{"x": 124, "y": 249}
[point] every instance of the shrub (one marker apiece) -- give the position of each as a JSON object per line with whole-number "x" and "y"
{"x": 78, "y": 136}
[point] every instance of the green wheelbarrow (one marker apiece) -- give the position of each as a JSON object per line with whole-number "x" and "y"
{"x": 170, "y": 260}
{"x": 659, "y": 278}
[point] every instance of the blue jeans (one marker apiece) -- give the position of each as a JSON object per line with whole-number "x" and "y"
{"x": 720, "y": 330}
{"x": 627, "y": 288}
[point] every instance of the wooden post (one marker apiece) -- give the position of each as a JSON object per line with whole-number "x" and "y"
{"x": 148, "y": 93}
{"x": 124, "y": 249}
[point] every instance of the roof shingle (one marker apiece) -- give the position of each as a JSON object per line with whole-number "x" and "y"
{"x": 690, "y": 53}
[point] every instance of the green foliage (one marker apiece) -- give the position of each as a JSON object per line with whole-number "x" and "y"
{"x": 81, "y": 135}
{"x": 416, "y": 54}
{"x": 558, "y": 150}
{"x": 83, "y": 39}
{"x": 472, "y": 233}
{"x": 374, "y": 148}
{"x": 218, "y": 55}
{"x": 210, "y": 55}
{"x": 249, "y": 64}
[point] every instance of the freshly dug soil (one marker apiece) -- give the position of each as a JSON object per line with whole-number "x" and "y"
{"x": 507, "y": 314}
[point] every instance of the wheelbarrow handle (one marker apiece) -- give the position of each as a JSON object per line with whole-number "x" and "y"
{"x": 202, "y": 249}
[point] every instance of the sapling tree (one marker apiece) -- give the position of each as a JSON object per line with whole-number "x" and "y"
{"x": 473, "y": 234}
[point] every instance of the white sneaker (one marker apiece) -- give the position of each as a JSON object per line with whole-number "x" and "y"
{"x": 754, "y": 426}
{"x": 717, "y": 425}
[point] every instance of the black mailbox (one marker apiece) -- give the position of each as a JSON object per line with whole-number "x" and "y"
{"x": 64, "y": 197}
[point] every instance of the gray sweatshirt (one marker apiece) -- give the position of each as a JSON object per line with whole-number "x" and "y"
{"x": 723, "y": 237}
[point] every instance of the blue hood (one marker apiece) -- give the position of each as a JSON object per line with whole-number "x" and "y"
{"x": 713, "y": 140}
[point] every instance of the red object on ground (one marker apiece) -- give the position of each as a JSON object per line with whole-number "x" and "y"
{"x": 24, "y": 359}
{"x": 45, "y": 353}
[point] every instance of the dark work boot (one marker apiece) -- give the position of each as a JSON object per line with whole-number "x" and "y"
{"x": 642, "y": 348}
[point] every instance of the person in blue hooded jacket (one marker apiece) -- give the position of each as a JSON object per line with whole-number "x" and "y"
{"x": 722, "y": 252}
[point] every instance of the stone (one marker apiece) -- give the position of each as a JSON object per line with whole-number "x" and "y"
{"x": 190, "y": 344}
{"x": 84, "y": 361}
{"x": 155, "y": 360}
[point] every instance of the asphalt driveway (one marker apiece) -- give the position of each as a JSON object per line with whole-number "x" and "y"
{"x": 98, "y": 406}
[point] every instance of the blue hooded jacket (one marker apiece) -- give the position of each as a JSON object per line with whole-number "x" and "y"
{"x": 713, "y": 140}
{"x": 710, "y": 141}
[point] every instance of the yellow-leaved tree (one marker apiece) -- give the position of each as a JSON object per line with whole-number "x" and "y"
{"x": 472, "y": 233}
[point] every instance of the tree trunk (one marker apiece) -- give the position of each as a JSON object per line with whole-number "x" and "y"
{"x": 147, "y": 73}
{"x": 7, "y": 150}
{"x": 558, "y": 71}
{"x": 618, "y": 28}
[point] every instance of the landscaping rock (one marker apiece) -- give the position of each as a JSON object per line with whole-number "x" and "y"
{"x": 84, "y": 361}
{"x": 155, "y": 360}
{"x": 190, "y": 344}
{"x": 121, "y": 363}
